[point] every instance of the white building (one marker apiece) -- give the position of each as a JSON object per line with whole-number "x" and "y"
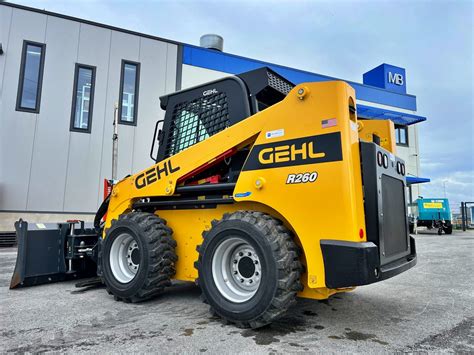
{"x": 60, "y": 78}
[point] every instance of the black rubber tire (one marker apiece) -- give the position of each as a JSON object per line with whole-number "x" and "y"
{"x": 279, "y": 258}
{"x": 157, "y": 257}
{"x": 440, "y": 230}
{"x": 448, "y": 229}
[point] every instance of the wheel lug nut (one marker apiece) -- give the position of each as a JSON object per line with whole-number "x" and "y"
{"x": 235, "y": 261}
{"x": 256, "y": 273}
{"x": 235, "y": 272}
{"x": 240, "y": 254}
{"x": 250, "y": 281}
{"x": 241, "y": 280}
{"x": 249, "y": 254}
{"x": 255, "y": 262}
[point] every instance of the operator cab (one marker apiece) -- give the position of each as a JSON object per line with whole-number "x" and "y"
{"x": 197, "y": 113}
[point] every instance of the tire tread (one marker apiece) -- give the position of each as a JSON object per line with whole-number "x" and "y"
{"x": 286, "y": 254}
{"x": 161, "y": 255}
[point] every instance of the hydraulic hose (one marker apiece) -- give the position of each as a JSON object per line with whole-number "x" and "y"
{"x": 100, "y": 213}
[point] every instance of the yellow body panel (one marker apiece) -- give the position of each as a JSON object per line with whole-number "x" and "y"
{"x": 187, "y": 223}
{"x": 331, "y": 207}
{"x": 385, "y": 129}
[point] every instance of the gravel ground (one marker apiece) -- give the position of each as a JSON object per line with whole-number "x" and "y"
{"x": 428, "y": 308}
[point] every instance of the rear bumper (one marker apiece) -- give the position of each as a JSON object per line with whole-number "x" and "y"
{"x": 349, "y": 264}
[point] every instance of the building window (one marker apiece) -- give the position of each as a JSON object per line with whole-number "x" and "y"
{"x": 128, "y": 100}
{"x": 401, "y": 135}
{"x": 83, "y": 98}
{"x": 31, "y": 77}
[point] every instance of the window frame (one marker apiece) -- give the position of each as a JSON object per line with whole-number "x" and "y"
{"x": 135, "y": 100}
{"x": 21, "y": 78}
{"x": 397, "y": 135}
{"x": 77, "y": 67}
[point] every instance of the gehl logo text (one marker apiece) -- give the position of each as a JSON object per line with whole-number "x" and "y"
{"x": 321, "y": 148}
{"x": 286, "y": 153}
{"x": 154, "y": 174}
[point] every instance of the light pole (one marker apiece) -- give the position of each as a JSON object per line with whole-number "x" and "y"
{"x": 115, "y": 143}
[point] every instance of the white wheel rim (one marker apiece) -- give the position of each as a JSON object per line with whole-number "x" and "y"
{"x": 236, "y": 270}
{"x": 124, "y": 258}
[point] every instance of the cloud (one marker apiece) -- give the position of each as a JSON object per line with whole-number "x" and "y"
{"x": 457, "y": 187}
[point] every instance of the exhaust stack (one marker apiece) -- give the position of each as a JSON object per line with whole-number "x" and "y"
{"x": 212, "y": 41}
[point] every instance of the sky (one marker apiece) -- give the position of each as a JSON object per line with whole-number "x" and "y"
{"x": 432, "y": 40}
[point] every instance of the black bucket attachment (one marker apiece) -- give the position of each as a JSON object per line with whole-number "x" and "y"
{"x": 54, "y": 252}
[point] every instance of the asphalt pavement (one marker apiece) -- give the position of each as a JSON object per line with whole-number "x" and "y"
{"x": 428, "y": 308}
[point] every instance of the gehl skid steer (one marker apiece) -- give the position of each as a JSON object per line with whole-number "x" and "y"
{"x": 261, "y": 192}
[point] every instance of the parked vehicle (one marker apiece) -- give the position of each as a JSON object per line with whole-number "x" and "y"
{"x": 432, "y": 213}
{"x": 260, "y": 192}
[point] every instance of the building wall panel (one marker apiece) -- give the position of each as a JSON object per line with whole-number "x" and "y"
{"x": 50, "y": 149}
{"x": 153, "y": 79}
{"x": 18, "y": 128}
{"x": 192, "y": 76}
{"x": 83, "y": 183}
{"x": 5, "y": 25}
{"x": 171, "y": 61}
{"x": 123, "y": 46}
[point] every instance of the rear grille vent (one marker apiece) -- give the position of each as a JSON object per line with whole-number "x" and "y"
{"x": 394, "y": 216}
{"x": 278, "y": 84}
{"x": 7, "y": 239}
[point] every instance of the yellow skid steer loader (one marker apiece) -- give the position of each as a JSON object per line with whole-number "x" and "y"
{"x": 261, "y": 191}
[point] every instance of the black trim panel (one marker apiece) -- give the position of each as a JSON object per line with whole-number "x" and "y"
{"x": 229, "y": 186}
{"x": 21, "y": 79}
{"x": 191, "y": 203}
{"x": 377, "y": 209}
{"x": 321, "y": 148}
{"x": 398, "y": 129}
{"x": 135, "y": 99}
{"x": 179, "y": 68}
{"x": 74, "y": 97}
{"x": 348, "y": 264}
